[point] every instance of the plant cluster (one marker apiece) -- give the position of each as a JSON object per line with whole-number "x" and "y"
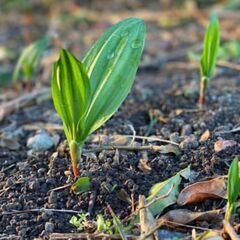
{"x": 86, "y": 94}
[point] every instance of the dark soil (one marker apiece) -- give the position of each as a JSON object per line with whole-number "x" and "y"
{"x": 26, "y": 179}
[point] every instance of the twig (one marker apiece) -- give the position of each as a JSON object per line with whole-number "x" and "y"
{"x": 230, "y": 230}
{"x": 230, "y": 65}
{"x": 154, "y": 148}
{"x": 134, "y": 133}
{"x": 170, "y": 223}
{"x": 47, "y": 126}
{"x": 59, "y": 236}
{"x": 154, "y": 139}
{"x": 9, "y": 167}
{"x": 229, "y": 131}
{"x": 60, "y": 188}
{"x": 23, "y": 101}
{"x": 148, "y": 204}
{"x": 37, "y": 210}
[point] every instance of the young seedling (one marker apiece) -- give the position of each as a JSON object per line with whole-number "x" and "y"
{"x": 87, "y": 94}
{"x": 233, "y": 188}
{"x": 30, "y": 59}
{"x": 209, "y": 56}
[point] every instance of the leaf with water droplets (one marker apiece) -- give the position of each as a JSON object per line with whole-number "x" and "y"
{"x": 111, "y": 65}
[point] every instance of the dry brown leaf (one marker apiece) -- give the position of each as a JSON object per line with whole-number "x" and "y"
{"x": 143, "y": 165}
{"x": 204, "y": 137}
{"x": 197, "y": 192}
{"x": 123, "y": 195}
{"x": 185, "y": 216}
{"x": 169, "y": 148}
{"x": 223, "y": 144}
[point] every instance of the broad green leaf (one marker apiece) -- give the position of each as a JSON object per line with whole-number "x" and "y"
{"x": 81, "y": 185}
{"x": 111, "y": 65}
{"x": 210, "y": 48}
{"x": 169, "y": 188}
{"x": 71, "y": 93}
{"x": 30, "y": 59}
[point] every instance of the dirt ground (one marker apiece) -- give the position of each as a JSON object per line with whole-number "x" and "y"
{"x": 167, "y": 82}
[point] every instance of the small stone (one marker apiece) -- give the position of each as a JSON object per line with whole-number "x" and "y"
{"x": 186, "y": 130}
{"x": 22, "y": 165}
{"x": 53, "y": 197}
{"x": 189, "y": 142}
{"x": 41, "y": 170}
{"x": 49, "y": 227}
{"x": 34, "y": 185}
{"x": 40, "y": 142}
{"x": 165, "y": 132}
{"x": 46, "y": 215}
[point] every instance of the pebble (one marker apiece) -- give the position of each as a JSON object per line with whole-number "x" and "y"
{"x": 40, "y": 142}
{"x": 49, "y": 227}
{"x": 34, "y": 185}
{"x": 190, "y": 142}
{"x": 186, "y": 130}
{"x": 22, "y": 165}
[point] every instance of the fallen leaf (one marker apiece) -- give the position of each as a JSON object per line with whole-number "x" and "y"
{"x": 123, "y": 195}
{"x": 169, "y": 190}
{"x": 81, "y": 185}
{"x": 143, "y": 165}
{"x": 197, "y": 192}
{"x": 169, "y": 148}
{"x": 204, "y": 137}
{"x": 223, "y": 144}
{"x": 185, "y": 216}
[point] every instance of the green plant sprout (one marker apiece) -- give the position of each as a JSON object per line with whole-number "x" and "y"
{"x": 233, "y": 188}
{"x": 209, "y": 55}
{"x": 79, "y": 221}
{"x": 30, "y": 59}
{"x": 87, "y": 94}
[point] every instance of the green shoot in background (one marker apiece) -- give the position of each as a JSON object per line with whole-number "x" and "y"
{"x": 209, "y": 56}
{"x": 87, "y": 94}
{"x": 30, "y": 59}
{"x": 233, "y": 188}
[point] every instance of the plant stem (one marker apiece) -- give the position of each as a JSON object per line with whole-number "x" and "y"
{"x": 203, "y": 87}
{"x": 229, "y": 212}
{"x": 75, "y": 153}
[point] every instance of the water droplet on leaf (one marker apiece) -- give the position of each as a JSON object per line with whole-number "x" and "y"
{"x": 136, "y": 43}
{"x": 111, "y": 55}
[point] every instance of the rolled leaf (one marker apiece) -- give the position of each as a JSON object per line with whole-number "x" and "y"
{"x": 71, "y": 93}
{"x": 111, "y": 64}
{"x": 210, "y": 48}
